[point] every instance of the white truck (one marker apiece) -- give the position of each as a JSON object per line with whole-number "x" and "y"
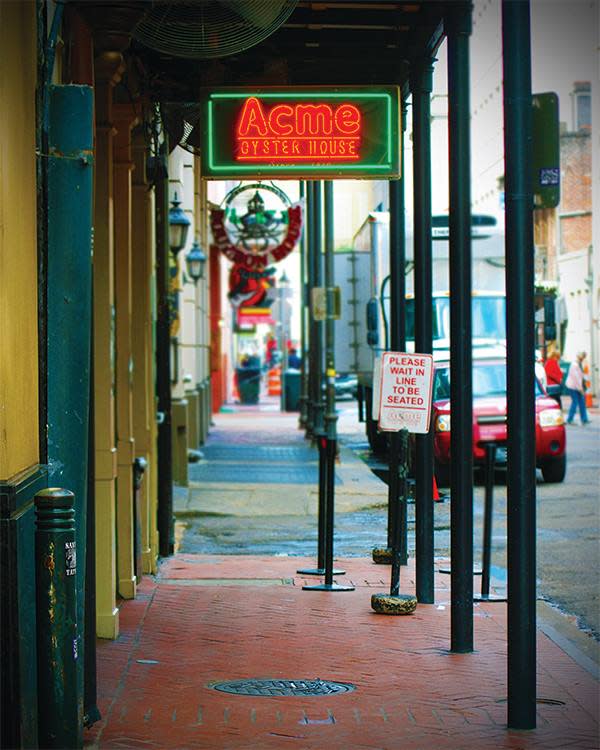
{"x": 362, "y": 332}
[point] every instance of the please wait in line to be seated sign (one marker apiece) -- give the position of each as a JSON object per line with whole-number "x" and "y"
{"x": 405, "y": 392}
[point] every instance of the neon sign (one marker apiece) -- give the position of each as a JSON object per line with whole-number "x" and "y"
{"x": 302, "y": 133}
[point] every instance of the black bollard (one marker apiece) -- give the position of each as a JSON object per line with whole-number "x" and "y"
{"x": 488, "y": 514}
{"x": 396, "y": 603}
{"x": 329, "y": 450}
{"x": 322, "y": 515}
{"x": 60, "y": 707}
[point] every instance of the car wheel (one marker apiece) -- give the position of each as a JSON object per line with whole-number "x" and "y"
{"x": 555, "y": 469}
{"x": 442, "y": 474}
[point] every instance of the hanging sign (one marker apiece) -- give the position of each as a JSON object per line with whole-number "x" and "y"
{"x": 322, "y": 132}
{"x": 405, "y": 392}
{"x": 257, "y": 226}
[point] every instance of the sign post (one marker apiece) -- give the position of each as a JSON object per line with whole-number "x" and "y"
{"x": 405, "y": 385}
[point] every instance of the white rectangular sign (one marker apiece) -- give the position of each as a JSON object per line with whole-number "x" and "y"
{"x": 405, "y": 392}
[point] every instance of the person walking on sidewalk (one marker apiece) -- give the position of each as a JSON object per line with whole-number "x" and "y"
{"x": 554, "y": 375}
{"x": 576, "y": 389}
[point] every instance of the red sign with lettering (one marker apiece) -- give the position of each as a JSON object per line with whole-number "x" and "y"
{"x": 298, "y": 132}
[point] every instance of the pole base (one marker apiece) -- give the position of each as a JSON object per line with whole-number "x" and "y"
{"x": 489, "y": 598}
{"x": 448, "y": 571}
{"x": 91, "y": 716}
{"x": 327, "y": 587}
{"x": 386, "y": 604}
{"x": 382, "y": 555}
{"x": 320, "y": 572}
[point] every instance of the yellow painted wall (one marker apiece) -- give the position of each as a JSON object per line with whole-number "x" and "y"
{"x": 18, "y": 244}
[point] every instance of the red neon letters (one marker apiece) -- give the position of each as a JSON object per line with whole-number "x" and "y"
{"x": 285, "y": 133}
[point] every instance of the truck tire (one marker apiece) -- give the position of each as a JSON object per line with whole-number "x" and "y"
{"x": 555, "y": 469}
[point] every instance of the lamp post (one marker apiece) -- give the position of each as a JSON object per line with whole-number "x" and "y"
{"x": 195, "y": 261}
{"x": 179, "y": 226}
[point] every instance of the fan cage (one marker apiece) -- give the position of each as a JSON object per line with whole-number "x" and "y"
{"x": 207, "y": 29}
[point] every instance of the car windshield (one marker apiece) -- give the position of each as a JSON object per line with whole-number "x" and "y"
{"x": 488, "y": 318}
{"x": 489, "y": 379}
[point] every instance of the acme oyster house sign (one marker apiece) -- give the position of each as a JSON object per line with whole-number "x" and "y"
{"x": 316, "y": 133}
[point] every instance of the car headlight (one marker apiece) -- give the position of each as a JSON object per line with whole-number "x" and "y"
{"x": 551, "y": 418}
{"x": 442, "y": 423}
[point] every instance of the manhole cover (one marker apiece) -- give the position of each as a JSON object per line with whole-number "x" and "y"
{"x": 283, "y": 687}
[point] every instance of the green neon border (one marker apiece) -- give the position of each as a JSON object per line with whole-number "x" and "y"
{"x": 337, "y": 169}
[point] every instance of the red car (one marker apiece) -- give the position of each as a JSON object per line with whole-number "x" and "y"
{"x": 489, "y": 421}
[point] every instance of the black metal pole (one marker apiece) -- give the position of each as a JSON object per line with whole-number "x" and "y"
{"x": 488, "y": 515}
{"x": 397, "y": 338}
{"x": 328, "y": 438}
{"x": 458, "y": 21}
{"x": 319, "y": 422}
{"x": 310, "y": 282}
{"x": 163, "y": 362}
{"x": 303, "y": 319}
{"x": 520, "y": 342}
{"x": 401, "y": 502}
{"x": 421, "y": 83}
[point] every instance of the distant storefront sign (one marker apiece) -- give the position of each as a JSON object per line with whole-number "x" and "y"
{"x": 294, "y": 133}
{"x": 546, "y": 151}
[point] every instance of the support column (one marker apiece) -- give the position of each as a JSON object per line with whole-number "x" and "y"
{"x": 317, "y": 249}
{"x": 458, "y": 23}
{"x": 520, "y": 342}
{"x": 144, "y": 402}
{"x": 303, "y": 316}
{"x": 421, "y": 84}
{"x": 108, "y": 69}
{"x": 124, "y": 119}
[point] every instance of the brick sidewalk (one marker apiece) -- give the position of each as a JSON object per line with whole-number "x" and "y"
{"x": 208, "y": 619}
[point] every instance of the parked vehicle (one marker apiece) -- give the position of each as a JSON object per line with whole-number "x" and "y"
{"x": 363, "y": 275}
{"x": 346, "y": 386}
{"x": 489, "y": 420}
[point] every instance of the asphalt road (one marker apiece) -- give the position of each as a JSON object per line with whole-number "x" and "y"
{"x": 568, "y": 522}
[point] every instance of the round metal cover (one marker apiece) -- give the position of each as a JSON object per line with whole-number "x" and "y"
{"x": 284, "y": 687}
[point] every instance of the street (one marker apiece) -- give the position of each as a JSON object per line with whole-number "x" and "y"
{"x": 568, "y": 547}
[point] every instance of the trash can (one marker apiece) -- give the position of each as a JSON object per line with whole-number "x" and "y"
{"x": 291, "y": 381}
{"x": 248, "y": 382}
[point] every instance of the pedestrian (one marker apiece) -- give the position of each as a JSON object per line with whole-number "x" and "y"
{"x": 294, "y": 361}
{"x": 554, "y": 375}
{"x": 576, "y": 389}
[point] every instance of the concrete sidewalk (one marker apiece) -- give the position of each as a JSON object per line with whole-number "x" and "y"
{"x": 206, "y": 619}
{"x": 270, "y": 472}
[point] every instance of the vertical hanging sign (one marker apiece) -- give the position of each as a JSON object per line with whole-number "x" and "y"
{"x": 320, "y": 132}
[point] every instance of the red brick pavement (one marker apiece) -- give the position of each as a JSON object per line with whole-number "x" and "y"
{"x": 190, "y": 627}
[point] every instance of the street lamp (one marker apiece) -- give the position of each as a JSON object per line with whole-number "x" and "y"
{"x": 179, "y": 226}
{"x": 195, "y": 261}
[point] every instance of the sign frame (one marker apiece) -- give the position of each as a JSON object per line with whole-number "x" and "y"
{"x": 217, "y": 121}
{"x": 413, "y": 421}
